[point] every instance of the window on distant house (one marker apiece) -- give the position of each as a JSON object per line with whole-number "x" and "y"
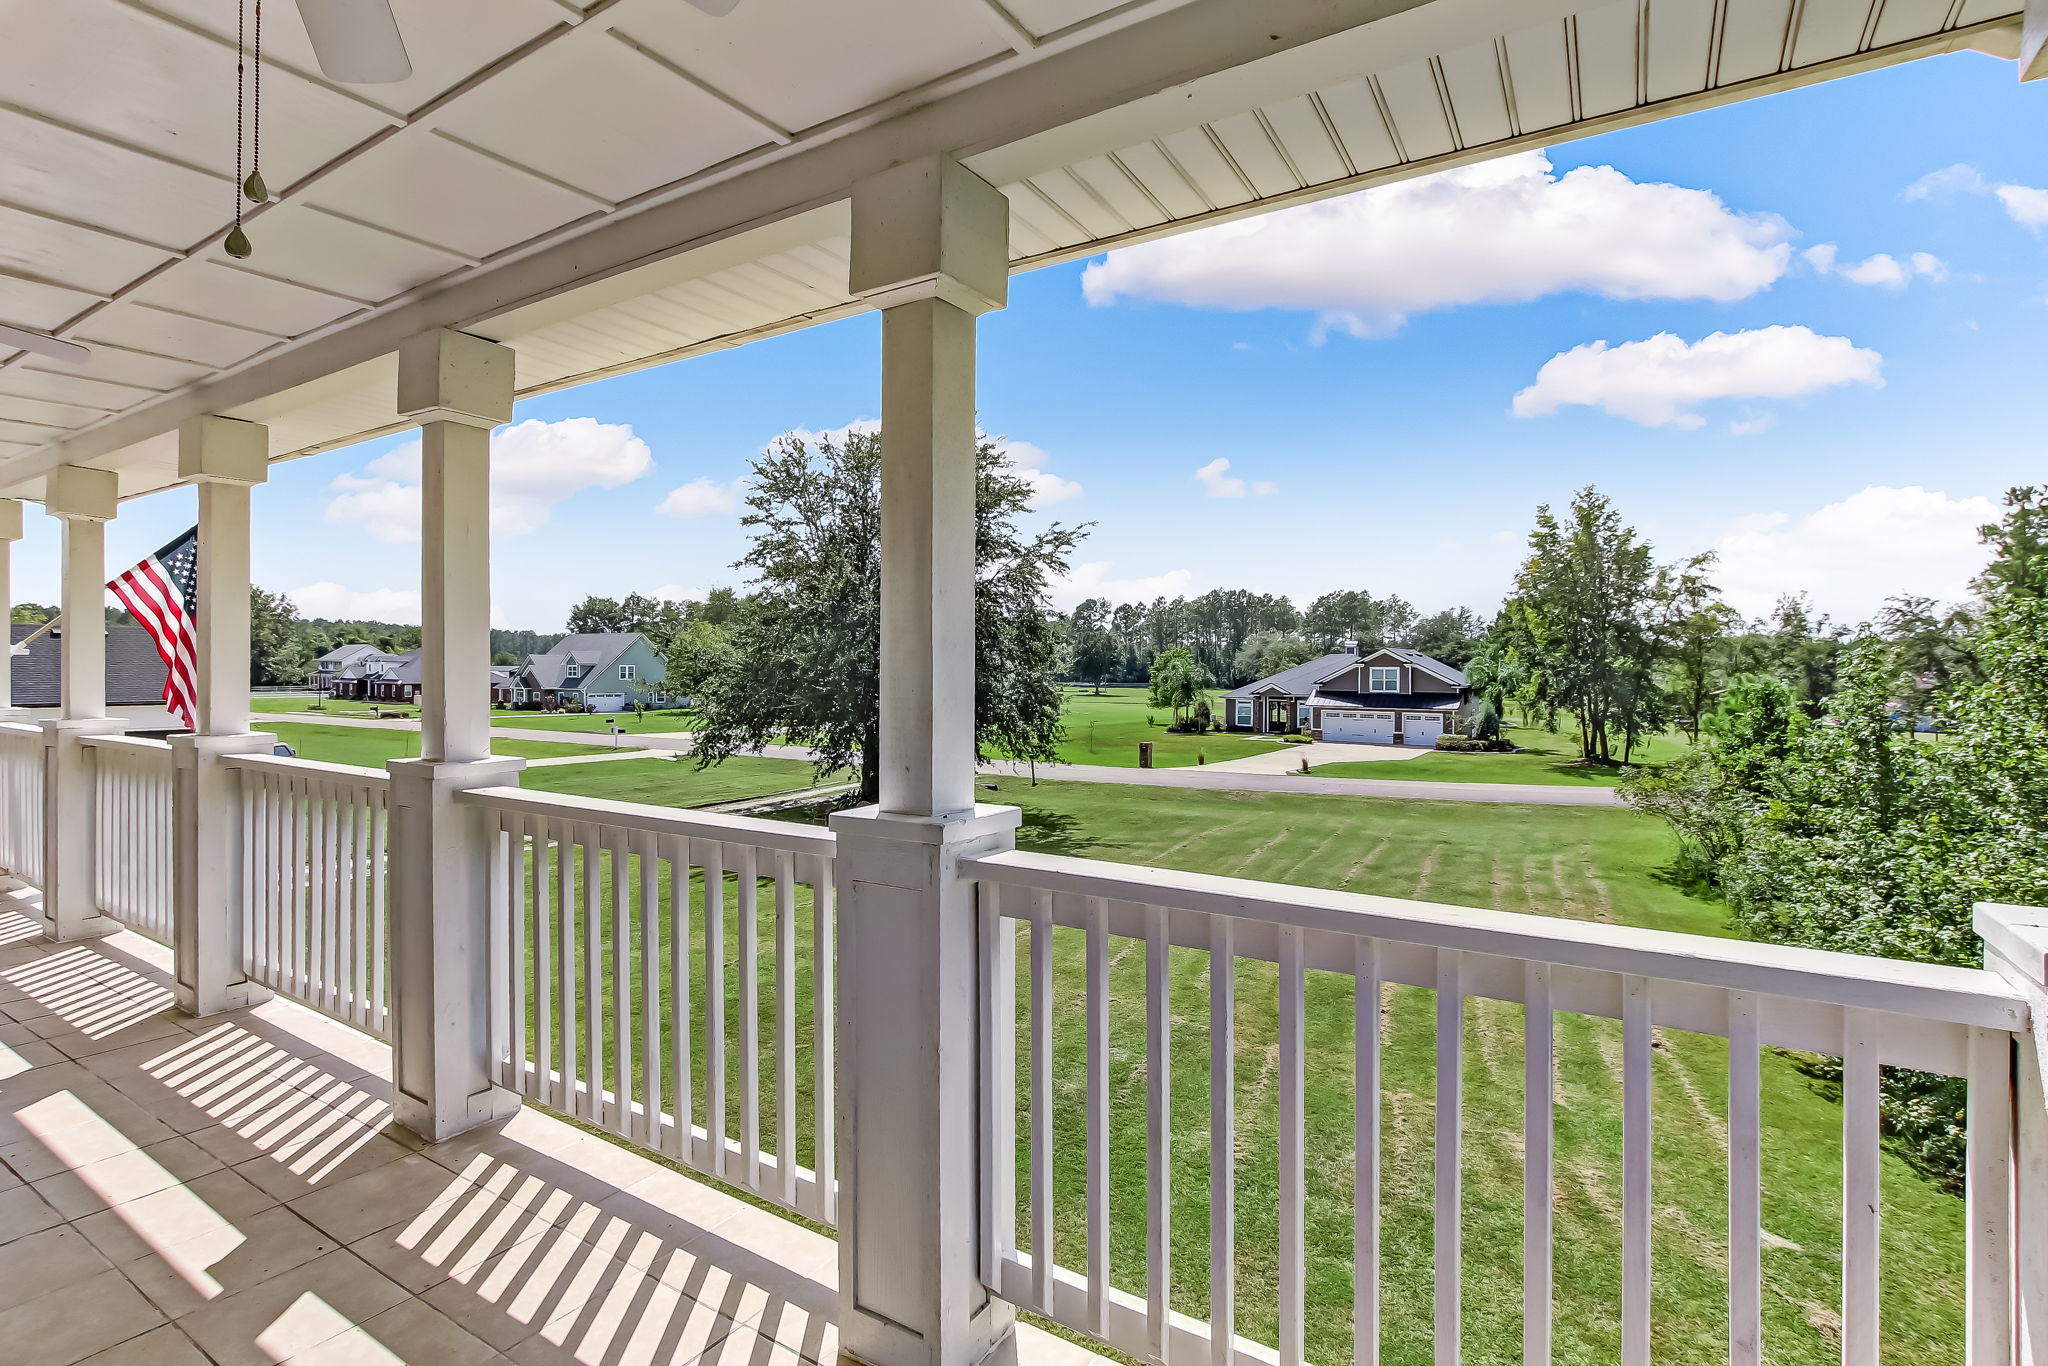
{"x": 626, "y": 672}
{"x": 573, "y": 672}
{"x": 1385, "y": 680}
{"x": 1244, "y": 713}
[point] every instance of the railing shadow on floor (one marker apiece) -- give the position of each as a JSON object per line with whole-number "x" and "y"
{"x": 241, "y": 1173}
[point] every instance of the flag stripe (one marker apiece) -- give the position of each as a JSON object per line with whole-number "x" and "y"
{"x": 161, "y": 593}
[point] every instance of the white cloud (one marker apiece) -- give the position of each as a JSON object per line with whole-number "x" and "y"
{"x": 675, "y": 592}
{"x": 1882, "y": 269}
{"x": 1752, "y": 425}
{"x": 1216, "y": 479}
{"x": 1660, "y": 381}
{"x": 1503, "y": 231}
{"x": 339, "y": 603}
{"x": 1027, "y": 462}
{"x": 534, "y": 465}
{"x": 2023, "y": 204}
{"x": 703, "y": 497}
{"x": 1092, "y": 580}
{"x": 1853, "y": 554}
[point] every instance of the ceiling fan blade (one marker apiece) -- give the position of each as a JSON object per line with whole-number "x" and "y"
{"x": 717, "y": 9}
{"x": 357, "y": 42}
{"x": 43, "y": 344}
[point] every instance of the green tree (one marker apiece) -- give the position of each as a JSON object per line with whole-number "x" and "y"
{"x": 31, "y": 614}
{"x": 1356, "y": 616}
{"x": 2019, "y": 547}
{"x": 719, "y": 607}
{"x": 597, "y": 616}
{"x": 280, "y": 648}
{"x": 1451, "y": 636}
{"x": 1179, "y": 682}
{"x": 805, "y": 649}
{"x": 1693, "y": 625}
{"x": 694, "y": 654}
{"x": 1581, "y": 616}
{"x": 1094, "y": 647}
{"x": 1269, "y": 652}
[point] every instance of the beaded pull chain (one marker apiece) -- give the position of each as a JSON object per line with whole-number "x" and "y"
{"x": 252, "y": 187}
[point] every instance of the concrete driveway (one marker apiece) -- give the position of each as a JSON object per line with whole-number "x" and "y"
{"x": 1288, "y": 760}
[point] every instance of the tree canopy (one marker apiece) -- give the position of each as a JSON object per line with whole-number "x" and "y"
{"x": 803, "y": 665}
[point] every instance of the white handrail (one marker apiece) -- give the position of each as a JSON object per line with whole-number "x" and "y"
{"x": 1931, "y": 991}
{"x": 659, "y": 820}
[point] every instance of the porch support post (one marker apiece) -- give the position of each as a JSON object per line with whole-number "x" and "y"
{"x": 10, "y": 532}
{"x": 458, "y": 387}
{"x": 84, "y": 499}
{"x": 225, "y": 458}
{"x": 2012, "y": 1225}
{"x": 930, "y": 248}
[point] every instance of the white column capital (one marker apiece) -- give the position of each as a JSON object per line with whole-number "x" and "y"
{"x": 2034, "y": 41}
{"x": 79, "y": 494}
{"x": 930, "y": 229}
{"x": 10, "y": 519}
{"x": 223, "y": 450}
{"x": 448, "y": 376}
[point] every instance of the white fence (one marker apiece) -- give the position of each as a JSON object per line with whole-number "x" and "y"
{"x": 132, "y": 832}
{"x": 313, "y": 865}
{"x": 1869, "y": 1013}
{"x": 628, "y": 955}
{"x": 21, "y": 801}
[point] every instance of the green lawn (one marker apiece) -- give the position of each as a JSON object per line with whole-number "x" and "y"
{"x": 368, "y": 748}
{"x": 1593, "y": 864}
{"x": 334, "y": 706}
{"x": 656, "y": 722}
{"x": 670, "y": 782}
{"x": 1106, "y": 730}
{"x": 1548, "y": 758}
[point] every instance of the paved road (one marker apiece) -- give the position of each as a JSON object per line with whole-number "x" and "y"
{"x": 1212, "y": 777}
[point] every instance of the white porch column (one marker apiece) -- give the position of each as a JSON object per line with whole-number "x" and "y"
{"x": 225, "y": 458}
{"x": 10, "y": 532}
{"x": 85, "y": 501}
{"x": 459, "y": 387}
{"x": 2010, "y": 1227}
{"x": 929, "y": 249}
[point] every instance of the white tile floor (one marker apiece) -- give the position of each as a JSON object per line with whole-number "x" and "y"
{"x": 230, "y": 1190}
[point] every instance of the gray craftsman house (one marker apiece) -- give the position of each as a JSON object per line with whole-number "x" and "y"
{"x": 608, "y": 672}
{"x": 1387, "y": 697}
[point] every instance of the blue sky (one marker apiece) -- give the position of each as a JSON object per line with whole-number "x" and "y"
{"x": 1396, "y": 460}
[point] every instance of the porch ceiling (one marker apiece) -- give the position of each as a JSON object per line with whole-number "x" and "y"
{"x": 605, "y": 184}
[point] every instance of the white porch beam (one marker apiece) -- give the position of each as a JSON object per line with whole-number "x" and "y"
{"x": 930, "y": 248}
{"x": 457, "y": 387}
{"x": 84, "y": 500}
{"x": 225, "y": 458}
{"x": 2034, "y": 41}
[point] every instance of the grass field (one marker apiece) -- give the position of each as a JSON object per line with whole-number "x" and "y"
{"x": 368, "y": 748}
{"x": 657, "y": 722}
{"x": 1548, "y": 758}
{"x": 670, "y": 782}
{"x": 1593, "y": 864}
{"x": 1106, "y": 730}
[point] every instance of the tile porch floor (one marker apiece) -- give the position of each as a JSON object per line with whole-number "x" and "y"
{"x": 177, "y": 1191}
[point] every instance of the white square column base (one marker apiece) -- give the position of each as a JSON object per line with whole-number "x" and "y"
{"x": 208, "y": 899}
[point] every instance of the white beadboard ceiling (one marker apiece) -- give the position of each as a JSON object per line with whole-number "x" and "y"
{"x": 531, "y": 129}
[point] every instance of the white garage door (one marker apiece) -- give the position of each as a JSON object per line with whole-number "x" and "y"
{"x": 606, "y": 701}
{"x": 1421, "y": 728}
{"x": 1359, "y": 727}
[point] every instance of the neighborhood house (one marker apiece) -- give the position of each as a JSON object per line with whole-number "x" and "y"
{"x": 591, "y": 672}
{"x": 1388, "y": 697}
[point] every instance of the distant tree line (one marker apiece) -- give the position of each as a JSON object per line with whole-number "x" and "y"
{"x": 1235, "y": 635}
{"x": 283, "y": 646}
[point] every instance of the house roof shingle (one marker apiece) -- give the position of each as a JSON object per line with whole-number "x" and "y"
{"x": 135, "y": 672}
{"x": 1302, "y": 679}
{"x": 595, "y": 651}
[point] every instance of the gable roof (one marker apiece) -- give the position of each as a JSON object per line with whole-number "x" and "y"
{"x": 1302, "y": 679}
{"x": 135, "y": 671}
{"x": 1421, "y": 661}
{"x": 341, "y": 654}
{"x": 595, "y": 651}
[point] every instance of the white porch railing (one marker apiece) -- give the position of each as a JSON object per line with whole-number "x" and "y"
{"x": 313, "y": 868}
{"x": 132, "y": 832}
{"x": 628, "y": 952}
{"x": 1869, "y": 1012}
{"x": 21, "y": 800}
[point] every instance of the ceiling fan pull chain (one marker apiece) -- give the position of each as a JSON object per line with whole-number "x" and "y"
{"x": 237, "y": 244}
{"x": 254, "y": 187}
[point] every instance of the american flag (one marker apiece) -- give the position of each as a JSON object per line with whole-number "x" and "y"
{"x": 162, "y": 594}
